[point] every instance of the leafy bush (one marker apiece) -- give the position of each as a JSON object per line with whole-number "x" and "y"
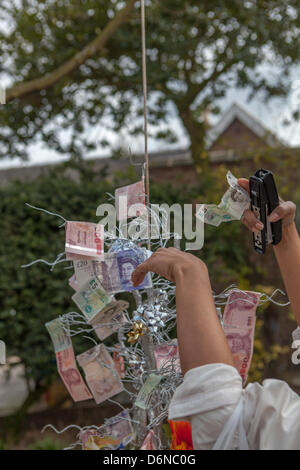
{"x": 46, "y": 444}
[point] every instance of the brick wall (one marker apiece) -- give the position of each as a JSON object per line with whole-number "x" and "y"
{"x": 238, "y": 137}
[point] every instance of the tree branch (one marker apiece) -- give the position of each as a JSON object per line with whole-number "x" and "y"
{"x": 78, "y": 59}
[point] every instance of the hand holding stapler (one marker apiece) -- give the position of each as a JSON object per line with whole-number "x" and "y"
{"x": 264, "y": 199}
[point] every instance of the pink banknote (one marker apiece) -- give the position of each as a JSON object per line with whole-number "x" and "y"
{"x": 241, "y": 308}
{"x": 70, "y": 375}
{"x": 73, "y": 257}
{"x": 148, "y": 443}
{"x": 167, "y": 356}
{"x": 84, "y": 239}
{"x": 239, "y": 326}
{"x": 117, "y": 430}
{"x": 119, "y": 362}
{"x": 130, "y": 200}
{"x": 100, "y": 373}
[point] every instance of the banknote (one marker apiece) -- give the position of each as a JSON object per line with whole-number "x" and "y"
{"x": 130, "y": 200}
{"x": 240, "y": 309}
{"x": 84, "y": 269}
{"x": 167, "y": 356}
{"x": 114, "y": 272}
{"x": 73, "y": 283}
{"x": 239, "y": 327}
{"x": 148, "y": 443}
{"x": 236, "y": 198}
{"x": 84, "y": 436}
{"x": 119, "y": 362}
{"x": 232, "y": 206}
{"x": 144, "y": 393}
{"x": 100, "y": 373}
{"x": 73, "y": 257}
{"x": 85, "y": 239}
{"x": 240, "y": 341}
{"x": 66, "y": 363}
{"x": 91, "y": 440}
{"x": 106, "y": 271}
{"x": 109, "y": 319}
{"x": 70, "y": 375}
{"x": 213, "y": 214}
{"x": 91, "y": 298}
{"x": 116, "y": 431}
{"x": 120, "y": 427}
{"x": 60, "y": 339}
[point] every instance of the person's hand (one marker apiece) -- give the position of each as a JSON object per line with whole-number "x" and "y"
{"x": 171, "y": 264}
{"x": 284, "y": 212}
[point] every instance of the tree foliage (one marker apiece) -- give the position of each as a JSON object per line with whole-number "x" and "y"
{"x": 195, "y": 53}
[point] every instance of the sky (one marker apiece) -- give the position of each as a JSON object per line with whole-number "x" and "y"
{"x": 270, "y": 114}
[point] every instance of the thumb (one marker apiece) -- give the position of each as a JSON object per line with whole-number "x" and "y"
{"x": 244, "y": 183}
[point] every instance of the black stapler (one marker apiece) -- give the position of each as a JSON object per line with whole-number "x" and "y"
{"x": 264, "y": 199}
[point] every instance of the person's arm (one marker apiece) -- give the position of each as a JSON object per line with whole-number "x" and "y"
{"x": 201, "y": 339}
{"x": 287, "y": 252}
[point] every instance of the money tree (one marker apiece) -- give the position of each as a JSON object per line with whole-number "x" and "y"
{"x": 134, "y": 351}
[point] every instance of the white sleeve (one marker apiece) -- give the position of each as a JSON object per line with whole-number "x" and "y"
{"x": 272, "y": 416}
{"x": 207, "y": 398}
{"x": 209, "y": 395}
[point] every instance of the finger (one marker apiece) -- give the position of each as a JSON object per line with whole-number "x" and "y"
{"x": 281, "y": 211}
{"x": 245, "y": 222}
{"x": 144, "y": 268}
{"x": 250, "y": 220}
{"x": 252, "y": 228}
{"x": 244, "y": 183}
{"x": 140, "y": 272}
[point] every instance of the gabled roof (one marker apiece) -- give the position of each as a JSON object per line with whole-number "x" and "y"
{"x": 169, "y": 157}
{"x": 236, "y": 111}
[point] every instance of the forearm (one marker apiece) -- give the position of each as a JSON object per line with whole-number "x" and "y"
{"x": 287, "y": 253}
{"x": 201, "y": 338}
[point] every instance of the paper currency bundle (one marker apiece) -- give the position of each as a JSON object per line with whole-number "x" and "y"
{"x": 100, "y": 373}
{"x": 232, "y": 206}
{"x": 144, "y": 360}
{"x": 98, "y": 276}
{"x": 117, "y": 433}
{"x": 66, "y": 363}
{"x": 84, "y": 239}
{"x": 239, "y": 326}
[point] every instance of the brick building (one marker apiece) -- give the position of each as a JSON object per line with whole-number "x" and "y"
{"x": 235, "y": 136}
